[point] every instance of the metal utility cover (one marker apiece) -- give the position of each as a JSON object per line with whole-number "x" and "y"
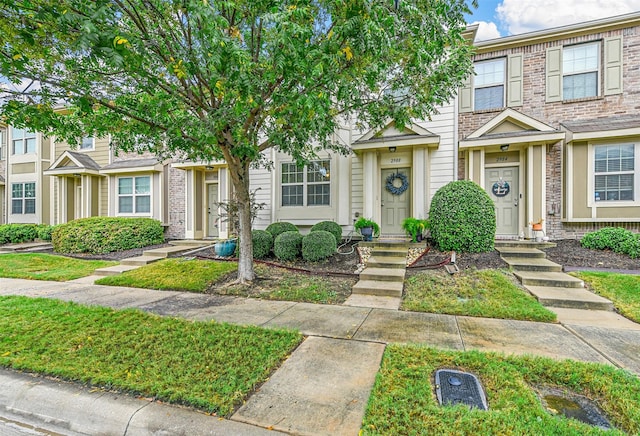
{"x": 457, "y": 387}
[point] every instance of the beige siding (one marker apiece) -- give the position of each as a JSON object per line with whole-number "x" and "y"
{"x": 262, "y": 179}
{"x": 357, "y": 186}
{"x": 579, "y": 184}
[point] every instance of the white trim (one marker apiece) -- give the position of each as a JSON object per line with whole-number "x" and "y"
{"x": 602, "y": 134}
{"x": 415, "y": 128}
{"x": 511, "y": 115}
{"x": 529, "y": 184}
{"x": 130, "y": 170}
{"x": 568, "y": 186}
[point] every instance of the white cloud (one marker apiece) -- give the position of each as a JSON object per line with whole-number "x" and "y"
{"x": 486, "y": 31}
{"x": 519, "y": 16}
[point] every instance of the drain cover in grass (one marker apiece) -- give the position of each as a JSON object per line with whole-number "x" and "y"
{"x": 457, "y": 387}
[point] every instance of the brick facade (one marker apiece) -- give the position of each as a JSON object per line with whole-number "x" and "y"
{"x": 625, "y": 104}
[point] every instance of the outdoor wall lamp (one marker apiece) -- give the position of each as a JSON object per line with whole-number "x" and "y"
{"x": 504, "y": 147}
{"x": 392, "y": 149}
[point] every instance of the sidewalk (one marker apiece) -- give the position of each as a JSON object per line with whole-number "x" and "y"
{"x": 324, "y": 386}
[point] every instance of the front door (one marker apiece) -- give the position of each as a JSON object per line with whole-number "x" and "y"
{"x": 212, "y": 210}
{"x": 396, "y": 199}
{"x": 502, "y": 187}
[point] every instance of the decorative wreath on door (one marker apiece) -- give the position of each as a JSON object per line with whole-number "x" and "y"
{"x": 391, "y": 186}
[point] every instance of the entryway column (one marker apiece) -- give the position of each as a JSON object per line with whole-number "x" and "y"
{"x": 371, "y": 186}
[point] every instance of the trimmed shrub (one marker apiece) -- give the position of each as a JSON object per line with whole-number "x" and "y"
{"x": 631, "y": 247}
{"x": 17, "y": 233}
{"x": 329, "y": 226}
{"x": 318, "y": 245}
{"x": 99, "y": 235}
{"x": 462, "y": 218}
{"x": 607, "y": 238}
{"x": 262, "y": 243}
{"x": 44, "y": 232}
{"x": 276, "y": 229}
{"x": 288, "y": 245}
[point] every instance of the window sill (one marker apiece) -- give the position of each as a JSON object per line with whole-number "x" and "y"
{"x": 583, "y": 99}
{"x": 488, "y": 111}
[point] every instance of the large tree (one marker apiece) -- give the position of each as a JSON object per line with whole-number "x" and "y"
{"x": 228, "y": 79}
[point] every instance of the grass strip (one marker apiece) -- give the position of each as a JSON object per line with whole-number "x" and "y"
{"x": 201, "y": 364}
{"x": 173, "y": 274}
{"x": 403, "y": 400}
{"x": 274, "y": 283}
{"x": 487, "y": 293}
{"x": 622, "y": 289}
{"x": 38, "y": 266}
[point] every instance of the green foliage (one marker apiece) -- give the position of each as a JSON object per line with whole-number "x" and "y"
{"x": 414, "y": 227}
{"x": 330, "y": 226}
{"x": 280, "y": 227}
{"x": 262, "y": 243}
{"x": 45, "y": 231}
{"x": 17, "y": 233}
{"x": 288, "y": 245}
{"x": 227, "y": 73}
{"x": 462, "y": 218}
{"x": 106, "y": 234}
{"x": 631, "y": 247}
{"x": 607, "y": 238}
{"x": 318, "y": 245}
{"x": 363, "y": 222}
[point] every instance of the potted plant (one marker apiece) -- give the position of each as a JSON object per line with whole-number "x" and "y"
{"x": 536, "y": 226}
{"x": 225, "y": 248}
{"x": 415, "y": 228}
{"x": 367, "y": 228}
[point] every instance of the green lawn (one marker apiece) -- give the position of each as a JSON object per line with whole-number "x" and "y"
{"x": 35, "y": 266}
{"x": 403, "y": 400}
{"x": 487, "y": 293}
{"x": 281, "y": 284}
{"x": 622, "y": 289}
{"x": 175, "y": 274}
{"x": 202, "y": 364}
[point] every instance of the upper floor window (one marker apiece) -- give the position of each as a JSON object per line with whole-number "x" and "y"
{"x": 580, "y": 71}
{"x": 23, "y": 198}
{"x": 489, "y": 84}
{"x": 22, "y": 141}
{"x": 614, "y": 167}
{"x": 87, "y": 143}
{"x": 134, "y": 195}
{"x": 306, "y": 186}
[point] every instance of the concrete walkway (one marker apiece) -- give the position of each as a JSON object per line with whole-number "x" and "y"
{"x": 321, "y": 389}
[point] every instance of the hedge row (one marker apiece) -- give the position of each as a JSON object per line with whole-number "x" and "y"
{"x": 617, "y": 239}
{"x": 286, "y": 242}
{"x": 98, "y": 235}
{"x": 17, "y": 233}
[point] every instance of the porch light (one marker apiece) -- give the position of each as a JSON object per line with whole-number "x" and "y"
{"x": 392, "y": 149}
{"x": 504, "y": 147}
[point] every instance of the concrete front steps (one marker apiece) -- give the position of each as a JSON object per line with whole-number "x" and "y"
{"x": 383, "y": 277}
{"x": 546, "y": 281}
{"x": 149, "y": 256}
{"x": 25, "y": 247}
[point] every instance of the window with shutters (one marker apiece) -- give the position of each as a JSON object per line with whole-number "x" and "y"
{"x": 489, "y": 84}
{"x": 614, "y": 167}
{"x": 580, "y": 71}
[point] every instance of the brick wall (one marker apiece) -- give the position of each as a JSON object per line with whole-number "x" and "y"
{"x": 553, "y": 114}
{"x": 177, "y": 204}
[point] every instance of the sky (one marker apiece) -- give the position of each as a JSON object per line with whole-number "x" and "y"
{"x": 512, "y": 17}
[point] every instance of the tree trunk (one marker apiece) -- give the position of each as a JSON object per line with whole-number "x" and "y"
{"x": 240, "y": 178}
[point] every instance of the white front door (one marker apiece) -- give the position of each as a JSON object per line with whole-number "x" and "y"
{"x": 395, "y": 206}
{"x": 502, "y": 186}
{"x": 212, "y": 211}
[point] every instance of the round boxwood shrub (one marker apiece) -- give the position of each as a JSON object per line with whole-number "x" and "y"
{"x": 45, "y": 231}
{"x": 462, "y": 218}
{"x": 98, "y": 235}
{"x": 262, "y": 243}
{"x": 607, "y": 238}
{"x": 276, "y": 229}
{"x": 329, "y": 226}
{"x": 288, "y": 245}
{"x": 631, "y": 247}
{"x": 318, "y": 245}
